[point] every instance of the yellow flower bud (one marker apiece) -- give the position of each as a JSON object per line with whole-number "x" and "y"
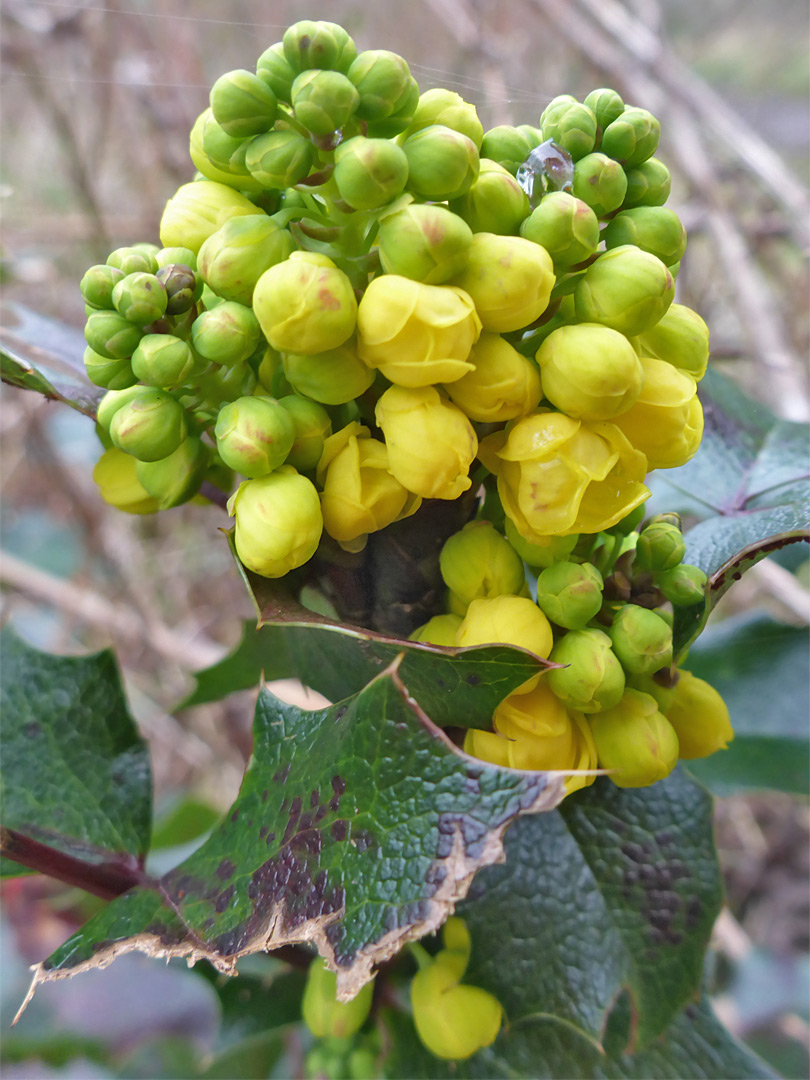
{"x": 197, "y": 210}
{"x": 118, "y": 484}
{"x": 478, "y": 562}
{"x": 510, "y": 620}
{"x": 504, "y": 384}
{"x": 589, "y": 371}
{"x": 305, "y": 304}
{"x": 416, "y": 334}
{"x": 681, "y": 338}
{"x": 700, "y": 717}
{"x": 635, "y": 741}
{"x": 324, "y": 1015}
{"x": 487, "y": 746}
{"x": 431, "y": 443}
{"x": 666, "y": 422}
{"x": 278, "y": 521}
{"x": 359, "y": 495}
{"x": 560, "y": 475}
{"x": 440, "y": 630}
{"x": 510, "y": 280}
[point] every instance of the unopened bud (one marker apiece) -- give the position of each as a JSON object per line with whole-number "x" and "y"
{"x": 324, "y": 1015}
{"x": 254, "y": 435}
{"x": 592, "y": 679}
{"x": 641, "y": 639}
{"x": 660, "y": 546}
{"x": 635, "y": 741}
{"x": 570, "y": 594}
{"x": 243, "y": 104}
{"x": 150, "y": 426}
{"x": 97, "y": 286}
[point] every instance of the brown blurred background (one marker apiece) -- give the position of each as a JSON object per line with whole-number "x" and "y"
{"x": 97, "y": 102}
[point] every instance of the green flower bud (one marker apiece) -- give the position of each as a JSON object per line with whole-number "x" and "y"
{"x": 177, "y": 478}
{"x": 370, "y": 172}
{"x": 305, "y": 304}
{"x": 132, "y": 260}
{"x": 593, "y": 678}
{"x": 389, "y": 126}
{"x": 309, "y": 44}
{"x": 113, "y": 400}
{"x": 332, "y": 377}
{"x": 111, "y": 335}
{"x": 495, "y": 203}
{"x": 226, "y": 335}
{"x": 682, "y": 585}
{"x": 556, "y": 550}
{"x": 606, "y": 106}
{"x": 440, "y": 630}
{"x": 565, "y": 226}
{"x": 651, "y": 228}
{"x": 180, "y": 256}
{"x": 480, "y": 563}
{"x": 557, "y": 105}
{"x": 210, "y": 144}
{"x": 632, "y": 137}
{"x": 323, "y": 101}
{"x": 323, "y": 1014}
{"x": 626, "y": 289}
{"x": 648, "y": 184}
{"x": 700, "y": 717}
{"x": 243, "y": 104}
{"x": 274, "y": 69}
{"x": 600, "y": 182}
{"x": 533, "y": 135}
{"x": 573, "y": 128}
{"x": 254, "y": 435}
{"x": 140, "y": 298}
{"x": 97, "y": 286}
{"x": 198, "y": 209}
{"x": 425, "y": 243}
{"x": 183, "y": 287}
{"x": 383, "y": 80}
{"x": 163, "y": 360}
{"x": 642, "y": 640}
{"x": 589, "y": 371}
{"x": 681, "y": 338}
{"x": 442, "y": 163}
{"x": 233, "y": 258}
{"x": 278, "y": 522}
{"x": 649, "y": 684}
{"x": 110, "y": 374}
{"x": 635, "y": 741}
{"x": 312, "y": 428}
{"x": 660, "y": 546}
{"x": 272, "y": 379}
{"x": 150, "y": 426}
{"x": 279, "y": 159}
{"x": 507, "y": 146}
{"x": 221, "y": 384}
{"x": 570, "y": 594}
{"x": 448, "y": 109}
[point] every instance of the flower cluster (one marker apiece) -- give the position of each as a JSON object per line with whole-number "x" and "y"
{"x": 365, "y": 302}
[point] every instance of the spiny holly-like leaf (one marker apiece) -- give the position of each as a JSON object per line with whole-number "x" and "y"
{"x": 45, "y": 355}
{"x": 358, "y": 827}
{"x": 76, "y": 775}
{"x": 615, "y": 889}
{"x": 695, "y": 1045}
{"x": 748, "y": 486}
{"x": 762, "y": 669}
{"x": 456, "y": 687}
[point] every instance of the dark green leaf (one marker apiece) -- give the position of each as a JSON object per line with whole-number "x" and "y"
{"x": 45, "y": 355}
{"x": 357, "y": 827}
{"x": 748, "y": 486}
{"x": 75, "y": 771}
{"x": 456, "y": 687}
{"x": 617, "y": 888}
{"x": 762, "y": 669}
{"x": 695, "y": 1046}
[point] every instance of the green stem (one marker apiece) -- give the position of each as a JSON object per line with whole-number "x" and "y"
{"x": 420, "y": 954}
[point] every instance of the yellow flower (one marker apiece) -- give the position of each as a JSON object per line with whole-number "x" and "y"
{"x": 305, "y": 304}
{"x": 440, "y": 630}
{"x": 197, "y": 210}
{"x": 558, "y": 475}
{"x": 478, "y": 562}
{"x": 511, "y": 620}
{"x": 278, "y": 521}
{"x": 635, "y": 741}
{"x": 510, "y": 280}
{"x": 700, "y": 717}
{"x": 503, "y": 385}
{"x": 431, "y": 443}
{"x": 666, "y": 422}
{"x": 416, "y": 334}
{"x": 359, "y": 495}
{"x": 118, "y": 484}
